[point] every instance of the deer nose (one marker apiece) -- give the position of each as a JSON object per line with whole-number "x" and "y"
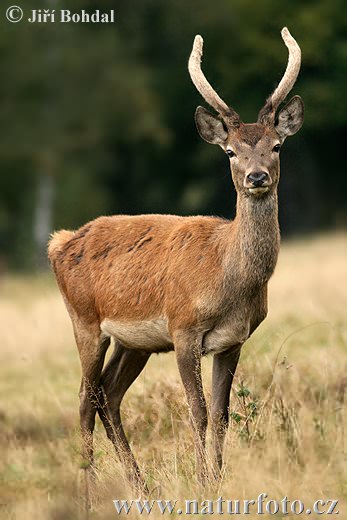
{"x": 257, "y": 178}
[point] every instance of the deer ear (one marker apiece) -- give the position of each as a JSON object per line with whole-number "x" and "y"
{"x": 291, "y": 118}
{"x": 210, "y": 127}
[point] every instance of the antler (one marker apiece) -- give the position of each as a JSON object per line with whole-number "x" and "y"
{"x": 287, "y": 82}
{"x": 203, "y": 86}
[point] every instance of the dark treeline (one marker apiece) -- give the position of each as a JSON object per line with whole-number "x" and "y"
{"x": 98, "y": 118}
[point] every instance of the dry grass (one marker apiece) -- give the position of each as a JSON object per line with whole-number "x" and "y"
{"x": 286, "y": 437}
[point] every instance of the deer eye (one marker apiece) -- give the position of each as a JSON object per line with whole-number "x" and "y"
{"x": 276, "y": 148}
{"x": 230, "y": 153}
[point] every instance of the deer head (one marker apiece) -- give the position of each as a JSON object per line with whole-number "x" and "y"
{"x": 253, "y": 149}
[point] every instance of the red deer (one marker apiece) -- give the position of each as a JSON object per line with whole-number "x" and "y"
{"x": 196, "y": 285}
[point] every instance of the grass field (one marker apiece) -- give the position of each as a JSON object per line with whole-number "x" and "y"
{"x": 286, "y": 436}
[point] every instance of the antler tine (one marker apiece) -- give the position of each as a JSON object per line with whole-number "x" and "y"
{"x": 287, "y": 82}
{"x": 202, "y": 85}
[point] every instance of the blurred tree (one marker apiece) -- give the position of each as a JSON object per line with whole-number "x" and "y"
{"x": 59, "y": 107}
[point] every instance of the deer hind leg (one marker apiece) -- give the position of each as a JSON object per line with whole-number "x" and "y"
{"x": 224, "y": 367}
{"x": 121, "y": 371}
{"x": 92, "y": 349}
{"x": 188, "y": 356}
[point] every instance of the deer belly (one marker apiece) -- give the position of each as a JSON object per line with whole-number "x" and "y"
{"x": 225, "y": 336}
{"x": 151, "y": 335}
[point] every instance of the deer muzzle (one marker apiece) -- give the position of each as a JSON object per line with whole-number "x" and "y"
{"x": 257, "y": 182}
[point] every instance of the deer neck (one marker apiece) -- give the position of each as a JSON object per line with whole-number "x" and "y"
{"x": 257, "y": 236}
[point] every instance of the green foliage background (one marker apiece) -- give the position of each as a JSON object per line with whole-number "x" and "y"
{"x": 106, "y": 112}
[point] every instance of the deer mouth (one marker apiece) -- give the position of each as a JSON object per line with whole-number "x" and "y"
{"x": 259, "y": 190}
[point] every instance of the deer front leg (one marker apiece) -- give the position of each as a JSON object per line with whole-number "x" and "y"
{"x": 188, "y": 355}
{"x": 224, "y": 367}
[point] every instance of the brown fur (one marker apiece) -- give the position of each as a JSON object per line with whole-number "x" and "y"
{"x": 142, "y": 267}
{"x": 58, "y": 239}
{"x": 251, "y": 133}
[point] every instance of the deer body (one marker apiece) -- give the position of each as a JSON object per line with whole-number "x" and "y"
{"x": 195, "y": 285}
{"x": 141, "y": 278}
